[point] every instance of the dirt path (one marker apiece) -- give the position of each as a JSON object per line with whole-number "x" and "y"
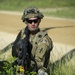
{"x": 62, "y": 32}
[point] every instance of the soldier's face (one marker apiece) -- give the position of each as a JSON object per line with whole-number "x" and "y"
{"x": 32, "y": 23}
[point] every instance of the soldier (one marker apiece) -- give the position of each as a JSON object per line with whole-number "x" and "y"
{"x": 39, "y": 39}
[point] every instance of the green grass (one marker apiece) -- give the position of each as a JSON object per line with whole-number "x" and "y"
{"x": 57, "y": 68}
{"x": 19, "y": 5}
{"x": 63, "y": 66}
{"x": 61, "y": 12}
{"x": 66, "y": 66}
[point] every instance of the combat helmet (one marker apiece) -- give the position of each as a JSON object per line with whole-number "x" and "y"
{"x": 31, "y": 12}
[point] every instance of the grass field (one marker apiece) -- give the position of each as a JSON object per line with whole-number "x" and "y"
{"x": 58, "y": 8}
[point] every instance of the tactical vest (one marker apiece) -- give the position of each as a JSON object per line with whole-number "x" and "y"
{"x": 38, "y": 37}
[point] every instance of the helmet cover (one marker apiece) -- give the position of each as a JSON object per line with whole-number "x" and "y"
{"x": 31, "y": 12}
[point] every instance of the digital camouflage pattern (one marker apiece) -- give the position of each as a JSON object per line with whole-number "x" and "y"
{"x": 31, "y": 12}
{"x": 41, "y": 48}
{"x": 41, "y": 43}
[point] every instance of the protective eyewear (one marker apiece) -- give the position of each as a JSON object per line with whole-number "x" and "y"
{"x": 30, "y": 21}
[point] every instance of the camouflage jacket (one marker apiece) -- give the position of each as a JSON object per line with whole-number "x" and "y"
{"x": 41, "y": 47}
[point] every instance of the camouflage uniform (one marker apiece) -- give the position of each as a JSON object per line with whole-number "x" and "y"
{"x": 41, "y": 47}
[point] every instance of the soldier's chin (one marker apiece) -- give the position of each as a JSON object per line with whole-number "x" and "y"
{"x": 33, "y": 29}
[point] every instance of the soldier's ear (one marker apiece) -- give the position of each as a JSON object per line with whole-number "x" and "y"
{"x": 39, "y": 20}
{"x": 25, "y": 22}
